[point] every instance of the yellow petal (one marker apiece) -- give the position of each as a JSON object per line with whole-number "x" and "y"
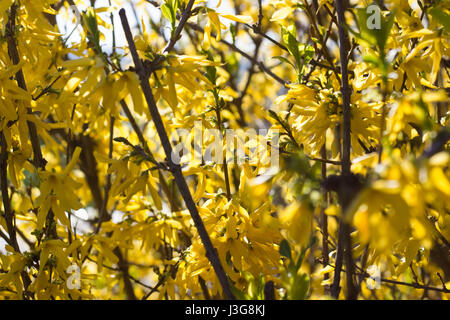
{"x": 281, "y": 14}
{"x": 238, "y": 18}
{"x": 83, "y": 62}
{"x": 73, "y": 161}
{"x": 440, "y": 180}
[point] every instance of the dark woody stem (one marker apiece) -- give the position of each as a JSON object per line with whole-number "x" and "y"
{"x": 344, "y": 248}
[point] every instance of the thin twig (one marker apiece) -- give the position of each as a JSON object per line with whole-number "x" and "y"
{"x": 442, "y": 281}
{"x": 323, "y": 215}
{"x": 123, "y": 266}
{"x": 204, "y": 288}
{"x": 321, "y": 39}
{"x": 251, "y": 71}
{"x": 400, "y": 283}
{"x": 9, "y": 214}
{"x": 46, "y": 89}
{"x": 233, "y": 47}
{"x": 225, "y": 164}
{"x": 313, "y": 62}
{"x": 172, "y": 200}
{"x": 104, "y": 208}
{"x": 184, "y": 18}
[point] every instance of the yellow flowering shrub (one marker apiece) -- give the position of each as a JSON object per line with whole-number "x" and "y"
{"x": 182, "y": 149}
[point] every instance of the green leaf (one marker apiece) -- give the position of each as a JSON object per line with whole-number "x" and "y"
{"x": 299, "y": 288}
{"x": 283, "y": 59}
{"x": 442, "y": 17}
{"x": 308, "y": 53}
{"x": 239, "y": 294}
{"x": 175, "y": 4}
{"x": 233, "y": 32}
{"x": 302, "y": 53}
{"x": 211, "y": 74}
{"x": 423, "y": 115}
{"x": 372, "y": 59}
{"x": 232, "y": 64}
{"x": 300, "y": 260}
{"x": 90, "y": 21}
{"x": 274, "y": 115}
{"x": 315, "y": 40}
{"x": 253, "y": 289}
{"x": 285, "y": 249}
{"x": 261, "y": 284}
{"x": 364, "y": 32}
{"x": 374, "y": 36}
{"x": 166, "y": 11}
{"x": 289, "y": 38}
{"x": 385, "y": 30}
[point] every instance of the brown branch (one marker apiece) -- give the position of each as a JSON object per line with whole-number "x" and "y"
{"x": 335, "y": 286}
{"x": 363, "y": 266}
{"x": 9, "y": 214}
{"x": 260, "y": 15}
{"x": 438, "y": 145}
{"x": 211, "y": 252}
{"x": 38, "y": 160}
{"x": 88, "y": 165}
{"x": 155, "y": 288}
{"x": 123, "y": 266}
{"x": 345, "y": 89}
{"x": 414, "y": 285}
{"x": 269, "y": 291}
{"x": 184, "y": 18}
{"x": 5, "y": 237}
{"x": 256, "y": 29}
{"x": 90, "y": 169}
{"x": 324, "y": 217}
{"x": 344, "y": 248}
{"x": 204, "y": 288}
{"x": 104, "y": 204}
{"x": 442, "y": 281}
